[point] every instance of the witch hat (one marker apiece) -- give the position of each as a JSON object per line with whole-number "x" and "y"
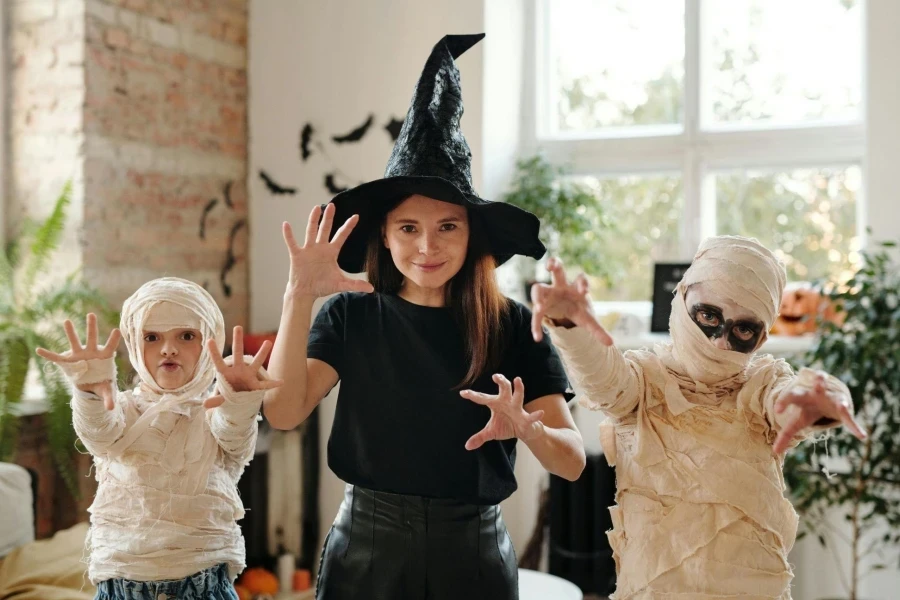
{"x": 431, "y": 158}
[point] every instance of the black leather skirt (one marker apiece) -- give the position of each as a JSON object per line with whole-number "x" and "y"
{"x": 389, "y": 546}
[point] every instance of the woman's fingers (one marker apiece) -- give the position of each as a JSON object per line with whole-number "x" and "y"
{"x": 344, "y": 230}
{"x": 287, "y": 232}
{"x": 477, "y": 441}
{"x": 478, "y": 397}
{"x": 325, "y": 226}
{"x": 312, "y": 226}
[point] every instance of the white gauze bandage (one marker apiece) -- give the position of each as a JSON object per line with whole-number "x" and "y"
{"x": 172, "y": 303}
{"x": 741, "y": 270}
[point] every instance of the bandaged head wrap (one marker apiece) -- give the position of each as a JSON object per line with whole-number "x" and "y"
{"x": 737, "y": 269}
{"x": 172, "y": 303}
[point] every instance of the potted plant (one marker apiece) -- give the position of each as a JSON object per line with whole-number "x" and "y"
{"x": 570, "y": 213}
{"x": 862, "y": 478}
{"x": 31, "y": 314}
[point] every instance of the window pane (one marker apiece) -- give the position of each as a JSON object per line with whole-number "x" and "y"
{"x": 614, "y": 63}
{"x": 779, "y": 61}
{"x": 807, "y": 217}
{"x": 645, "y": 213}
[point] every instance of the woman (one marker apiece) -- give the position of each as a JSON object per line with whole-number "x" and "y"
{"x": 439, "y": 373}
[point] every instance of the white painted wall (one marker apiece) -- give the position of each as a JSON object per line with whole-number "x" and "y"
{"x": 882, "y": 186}
{"x": 332, "y": 63}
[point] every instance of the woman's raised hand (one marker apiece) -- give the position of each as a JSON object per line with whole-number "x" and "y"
{"x": 314, "y": 268}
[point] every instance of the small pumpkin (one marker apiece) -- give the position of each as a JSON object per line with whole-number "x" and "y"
{"x": 801, "y": 308}
{"x": 243, "y": 593}
{"x": 259, "y": 581}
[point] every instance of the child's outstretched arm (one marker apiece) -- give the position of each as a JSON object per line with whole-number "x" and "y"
{"x": 599, "y": 373}
{"x": 809, "y": 401}
{"x": 240, "y": 388}
{"x": 91, "y": 370}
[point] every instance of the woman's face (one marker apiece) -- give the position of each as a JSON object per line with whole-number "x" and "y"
{"x": 428, "y": 240}
{"x": 727, "y": 325}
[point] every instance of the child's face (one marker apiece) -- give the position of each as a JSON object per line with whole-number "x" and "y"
{"x": 727, "y": 325}
{"x": 171, "y": 356}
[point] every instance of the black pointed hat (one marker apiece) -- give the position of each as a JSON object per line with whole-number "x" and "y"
{"x": 431, "y": 158}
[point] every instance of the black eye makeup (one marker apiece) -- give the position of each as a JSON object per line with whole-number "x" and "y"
{"x": 742, "y": 335}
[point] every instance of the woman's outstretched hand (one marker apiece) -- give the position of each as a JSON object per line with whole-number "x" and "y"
{"x": 314, "y": 268}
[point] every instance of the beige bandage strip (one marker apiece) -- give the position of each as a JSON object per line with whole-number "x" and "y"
{"x": 84, "y": 372}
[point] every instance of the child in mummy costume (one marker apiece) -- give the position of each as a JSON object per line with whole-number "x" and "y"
{"x": 163, "y": 522}
{"x": 696, "y": 428}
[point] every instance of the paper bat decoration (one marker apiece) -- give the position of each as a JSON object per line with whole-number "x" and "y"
{"x": 356, "y": 134}
{"x": 331, "y": 186}
{"x": 206, "y": 209}
{"x": 275, "y": 188}
{"x": 230, "y": 260}
{"x": 227, "y": 193}
{"x": 305, "y": 139}
{"x": 393, "y": 128}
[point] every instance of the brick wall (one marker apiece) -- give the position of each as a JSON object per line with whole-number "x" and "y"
{"x": 45, "y": 92}
{"x": 165, "y": 121}
{"x": 143, "y": 103}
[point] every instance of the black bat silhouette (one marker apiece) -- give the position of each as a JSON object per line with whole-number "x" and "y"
{"x": 331, "y": 186}
{"x": 356, "y": 134}
{"x": 206, "y": 209}
{"x": 274, "y": 187}
{"x": 393, "y": 128}
{"x": 305, "y": 139}
{"x": 230, "y": 260}
{"x": 227, "y": 193}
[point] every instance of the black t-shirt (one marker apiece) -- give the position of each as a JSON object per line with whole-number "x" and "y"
{"x": 399, "y": 425}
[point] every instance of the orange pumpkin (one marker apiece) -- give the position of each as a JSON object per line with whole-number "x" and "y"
{"x": 259, "y": 581}
{"x": 801, "y": 308}
{"x": 243, "y": 593}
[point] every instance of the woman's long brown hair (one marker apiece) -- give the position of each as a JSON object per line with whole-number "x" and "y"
{"x": 472, "y": 295}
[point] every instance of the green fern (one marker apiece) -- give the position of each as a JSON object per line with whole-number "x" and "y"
{"x": 30, "y": 317}
{"x": 45, "y": 241}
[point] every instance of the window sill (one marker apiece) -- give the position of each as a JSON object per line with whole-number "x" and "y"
{"x": 777, "y": 345}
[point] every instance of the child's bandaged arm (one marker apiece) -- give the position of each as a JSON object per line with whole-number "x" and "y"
{"x": 601, "y": 375}
{"x": 97, "y": 427}
{"x": 234, "y": 423}
{"x": 804, "y": 381}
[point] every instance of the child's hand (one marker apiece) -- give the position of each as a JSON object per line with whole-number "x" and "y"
{"x": 813, "y": 405}
{"x": 564, "y": 302}
{"x": 240, "y": 376}
{"x": 508, "y": 417}
{"x": 89, "y": 351}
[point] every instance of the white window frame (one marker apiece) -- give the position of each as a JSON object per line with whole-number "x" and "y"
{"x": 694, "y": 152}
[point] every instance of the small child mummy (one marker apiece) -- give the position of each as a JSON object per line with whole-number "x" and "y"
{"x": 164, "y": 519}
